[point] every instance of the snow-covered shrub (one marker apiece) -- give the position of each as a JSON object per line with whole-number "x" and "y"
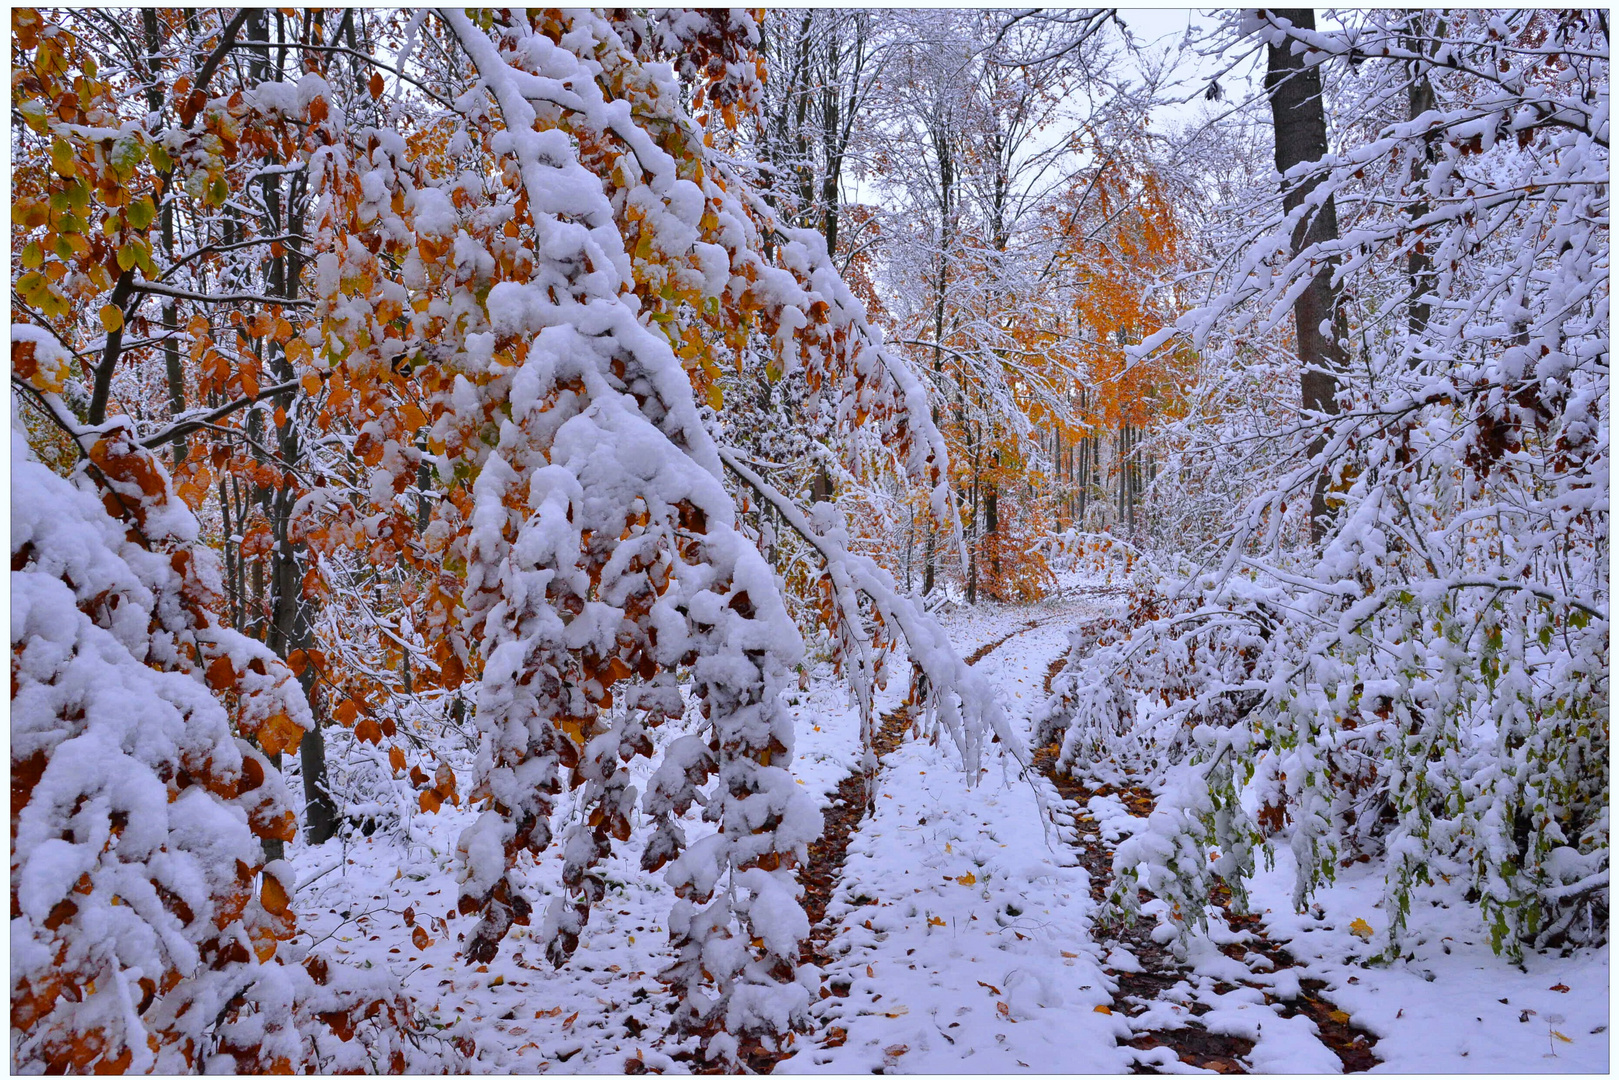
{"x": 1428, "y": 684}
{"x": 148, "y": 932}
{"x": 136, "y": 812}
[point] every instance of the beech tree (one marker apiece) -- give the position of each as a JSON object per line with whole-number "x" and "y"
{"x": 488, "y": 321}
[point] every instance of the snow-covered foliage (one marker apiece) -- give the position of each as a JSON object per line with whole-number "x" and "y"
{"x": 1429, "y": 687}
{"x": 149, "y": 933}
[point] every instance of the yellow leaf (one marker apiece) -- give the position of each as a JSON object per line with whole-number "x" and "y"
{"x": 1560, "y": 1035}
{"x": 1361, "y": 929}
{"x": 112, "y": 317}
{"x": 1104, "y": 1010}
{"x": 1338, "y": 1016}
{"x": 1070, "y": 955}
{"x": 967, "y": 878}
{"x": 716, "y": 400}
{"x": 934, "y": 920}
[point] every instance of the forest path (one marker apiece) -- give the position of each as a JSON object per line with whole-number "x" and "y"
{"x": 956, "y": 936}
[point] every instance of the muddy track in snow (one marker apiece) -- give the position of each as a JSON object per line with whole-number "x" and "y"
{"x": 1163, "y": 978}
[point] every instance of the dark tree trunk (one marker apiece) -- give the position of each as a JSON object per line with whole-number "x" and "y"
{"x": 1301, "y": 136}
{"x": 1418, "y": 263}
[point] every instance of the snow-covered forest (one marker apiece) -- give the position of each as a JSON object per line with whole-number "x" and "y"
{"x": 809, "y": 540}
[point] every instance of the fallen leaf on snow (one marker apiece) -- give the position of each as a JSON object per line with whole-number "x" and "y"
{"x": 1560, "y": 988}
{"x": 1069, "y": 955}
{"x": 1002, "y": 1008}
{"x": 1338, "y": 1016}
{"x": 967, "y": 878}
{"x": 986, "y": 986}
{"x": 1361, "y": 929}
{"x": 1560, "y": 1035}
{"x": 934, "y": 920}
{"x": 1104, "y": 1010}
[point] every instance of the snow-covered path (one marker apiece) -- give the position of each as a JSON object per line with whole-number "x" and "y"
{"x": 964, "y": 938}
{"x": 962, "y": 932}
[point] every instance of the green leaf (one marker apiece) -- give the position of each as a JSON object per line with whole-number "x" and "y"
{"x": 141, "y": 212}
{"x": 78, "y": 196}
{"x": 126, "y": 153}
{"x": 160, "y": 158}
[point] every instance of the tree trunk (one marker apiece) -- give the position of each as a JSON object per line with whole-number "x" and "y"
{"x": 1301, "y": 136}
{"x": 1418, "y": 263}
{"x": 992, "y": 523}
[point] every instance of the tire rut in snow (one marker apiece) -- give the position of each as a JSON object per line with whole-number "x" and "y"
{"x": 1163, "y": 978}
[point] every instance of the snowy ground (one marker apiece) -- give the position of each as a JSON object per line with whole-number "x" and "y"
{"x": 964, "y": 932}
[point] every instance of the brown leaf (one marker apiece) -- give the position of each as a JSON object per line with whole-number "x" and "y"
{"x": 273, "y": 896}
{"x": 221, "y": 676}
{"x": 279, "y": 733}
{"x": 419, "y": 938}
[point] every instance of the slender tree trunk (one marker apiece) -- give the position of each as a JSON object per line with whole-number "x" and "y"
{"x": 1301, "y": 136}
{"x": 992, "y": 522}
{"x": 1418, "y": 263}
